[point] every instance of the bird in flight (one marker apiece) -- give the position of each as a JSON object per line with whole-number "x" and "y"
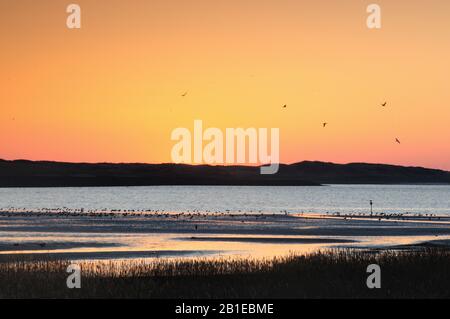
{"x": 324, "y": 124}
{"x": 184, "y": 94}
{"x": 384, "y": 104}
{"x": 397, "y": 140}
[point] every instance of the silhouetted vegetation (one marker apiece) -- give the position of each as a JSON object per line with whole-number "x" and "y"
{"x": 328, "y": 274}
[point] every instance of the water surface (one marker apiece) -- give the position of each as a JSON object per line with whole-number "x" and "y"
{"x": 333, "y": 198}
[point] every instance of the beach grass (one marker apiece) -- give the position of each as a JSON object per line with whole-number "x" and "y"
{"x": 339, "y": 273}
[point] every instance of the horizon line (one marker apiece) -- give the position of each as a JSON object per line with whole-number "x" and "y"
{"x": 217, "y": 165}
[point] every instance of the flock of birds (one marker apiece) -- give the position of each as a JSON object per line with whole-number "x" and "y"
{"x": 395, "y": 216}
{"x": 324, "y": 124}
{"x": 191, "y": 214}
{"x": 115, "y": 213}
{"x": 188, "y": 216}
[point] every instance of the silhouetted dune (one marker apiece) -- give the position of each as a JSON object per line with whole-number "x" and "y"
{"x": 22, "y": 173}
{"x": 363, "y": 173}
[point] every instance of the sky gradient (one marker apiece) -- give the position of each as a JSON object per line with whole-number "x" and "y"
{"x": 111, "y": 91}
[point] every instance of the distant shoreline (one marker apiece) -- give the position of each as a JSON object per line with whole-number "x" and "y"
{"x": 22, "y": 173}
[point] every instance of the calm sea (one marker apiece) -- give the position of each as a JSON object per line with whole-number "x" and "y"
{"x": 333, "y": 198}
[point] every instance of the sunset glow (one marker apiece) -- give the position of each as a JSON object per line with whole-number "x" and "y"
{"x": 112, "y": 91}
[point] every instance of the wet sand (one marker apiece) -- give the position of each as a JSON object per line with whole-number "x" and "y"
{"x": 112, "y": 235}
{"x": 34, "y": 246}
{"x": 99, "y": 255}
{"x": 273, "y": 240}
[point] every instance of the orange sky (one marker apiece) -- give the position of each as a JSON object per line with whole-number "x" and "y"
{"x": 112, "y": 90}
